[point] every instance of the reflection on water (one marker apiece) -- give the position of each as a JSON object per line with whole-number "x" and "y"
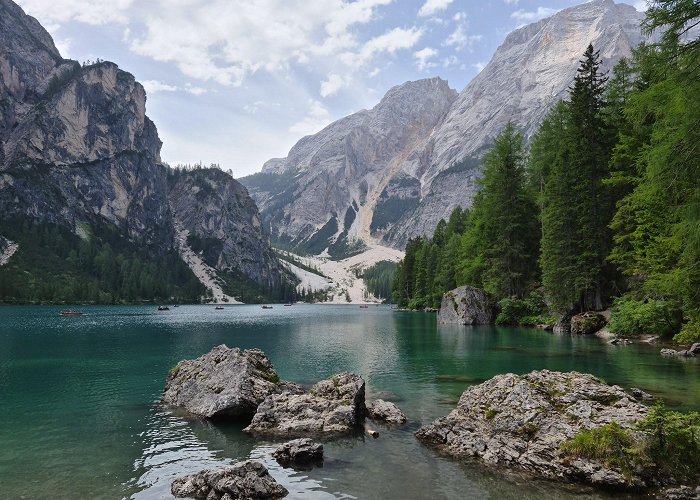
{"x": 81, "y": 417}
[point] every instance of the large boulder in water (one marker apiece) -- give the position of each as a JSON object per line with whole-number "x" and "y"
{"x": 224, "y": 382}
{"x": 587, "y": 323}
{"x": 522, "y": 420}
{"x": 384, "y": 411}
{"x": 299, "y": 452}
{"x": 332, "y": 406}
{"x": 244, "y": 480}
{"x": 467, "y": 305}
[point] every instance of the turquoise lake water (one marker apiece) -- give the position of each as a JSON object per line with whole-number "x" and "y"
{"x": 80, "y": 418}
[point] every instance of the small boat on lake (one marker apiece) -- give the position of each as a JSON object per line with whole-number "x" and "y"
{"x": 267, "y": 307}
{"x": 364, "y": 307}
{"x": 163, "y": 308}
{"x": 219, "y": 308}
{"x": 288, "y": 305}
{"x": 71, "y": 313}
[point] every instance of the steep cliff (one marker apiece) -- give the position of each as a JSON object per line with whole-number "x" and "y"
{"x": 223, "y": 225}
{"x": 403, "y": 191}
{"x": 81, "y": 183}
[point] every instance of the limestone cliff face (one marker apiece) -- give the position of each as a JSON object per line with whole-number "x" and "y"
{"x": 217, "y": 210}
{"x": 77, "y": 149}
{"x": 439, "y": 155}
{"x": 335, "y": 178}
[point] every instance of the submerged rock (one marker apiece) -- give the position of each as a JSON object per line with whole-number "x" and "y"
{"x": 522, "y": 421}
{"x": 224, "y": 383}
{"x": 302, "y": 451}
{"x": 332, "y": 406}
{"x": 467, "y": 306}
{"x": 587, "y": 323}
{"x": 385, "y": 412}
{"x": 244, "y": 480}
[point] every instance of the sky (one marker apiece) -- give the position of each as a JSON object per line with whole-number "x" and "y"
{"x": 237, "y": 82}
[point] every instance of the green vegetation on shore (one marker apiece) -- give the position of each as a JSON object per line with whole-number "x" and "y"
{"x": 604, "y": 208}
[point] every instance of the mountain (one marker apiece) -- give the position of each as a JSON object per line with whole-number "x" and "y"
{"x": 354, "y": 181}
{"x": 82, "y": 183}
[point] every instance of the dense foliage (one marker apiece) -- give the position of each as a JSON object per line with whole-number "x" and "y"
{"x": 605, "y": 205}
{"x": 378, "y": 279}
{"x": 52, "y": 264}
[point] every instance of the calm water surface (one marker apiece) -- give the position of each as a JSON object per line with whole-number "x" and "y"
{"x": 79, "y": 412}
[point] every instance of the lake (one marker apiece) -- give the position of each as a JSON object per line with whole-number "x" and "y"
{"x": 80, "y": 416}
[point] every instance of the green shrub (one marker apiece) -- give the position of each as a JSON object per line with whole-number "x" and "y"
{"x": 673, "y": 441}
{"x": 635, "y": 317}
{"x": 689, "y": 334}
{"x": 610, "y": 445}
{"x": 530, "y": 311}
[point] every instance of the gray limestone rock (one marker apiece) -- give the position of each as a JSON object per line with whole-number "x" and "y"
{"x": 522, "y": 420}
{"x": 385, "y": 411}
{"x": 245, "y": 480}
{"x": 422, "y": 134}
{"x": 467, "y": 305}
{"x": 301, "y": 452}
{"x": 332, "y": 406}
{"x": 224, "y": 383}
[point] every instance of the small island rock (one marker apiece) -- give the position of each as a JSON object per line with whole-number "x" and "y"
{"x": 587, "y": 323}
{"x": 522, "y": 420}
{"x": 332, "y": 406}
{"x": 301, "y": 451}
{"x": 385, "y": 411}
{"x": 467, "y": 305}
{"x": 224, "y": 382}
{"x": 244, "y": 480}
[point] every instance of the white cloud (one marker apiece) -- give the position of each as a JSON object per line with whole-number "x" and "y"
{"x": 332, "y": 85}
{"x": 523, "y": 16}
{"x": 430, "y": 7}
{"x": 479, "y": 66}
{"x": 194, "y": 90}
{"x": 389, "y": 42}
{"x": 96, "y": 12}
{"x": 153, "y": 86}
{"x": 423, "y": 57}
{"x": 641, "y": 5}
{"x": 316, "y": 118}
{"x": 511, "y": 2}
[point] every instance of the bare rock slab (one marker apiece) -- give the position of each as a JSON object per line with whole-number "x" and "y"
{"x": 225, "y": 382}
{"x": 244, "y": 480}
{"x": 332, "y": 406}
{"x": 303, "y": 451}
{"x": 522, "y": 420}
{"x": 467, "y": 305}
{"x": 385, "y": 411}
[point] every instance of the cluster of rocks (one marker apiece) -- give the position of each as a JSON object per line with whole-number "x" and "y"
{"x": 693, "y": 351}
{"x": 243, "y": 385}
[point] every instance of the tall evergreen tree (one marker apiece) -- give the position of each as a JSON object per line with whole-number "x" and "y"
{"x": 577, "y": 206}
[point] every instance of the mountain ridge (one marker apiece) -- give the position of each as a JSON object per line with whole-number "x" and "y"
{"x": 439, "y": 170}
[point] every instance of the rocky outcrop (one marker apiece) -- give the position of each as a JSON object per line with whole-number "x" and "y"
{"x": 522, "y": 420}
{"x": 693, "y": 351}
{"x": 224, "y": 383}
{"x": 332, "y": 406}
{"x": 384, "y": 411}
{"x": 587, "y": 323}
{"x": 680, "y": 493}
{"x": 223, "y": 224}
{"x": 78, "y": 151}
{"x": 467, "y": 305}
{"x": 299, "y": 452}
{"x": 245, "y": 480}
{"x": 408, "y": 162}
